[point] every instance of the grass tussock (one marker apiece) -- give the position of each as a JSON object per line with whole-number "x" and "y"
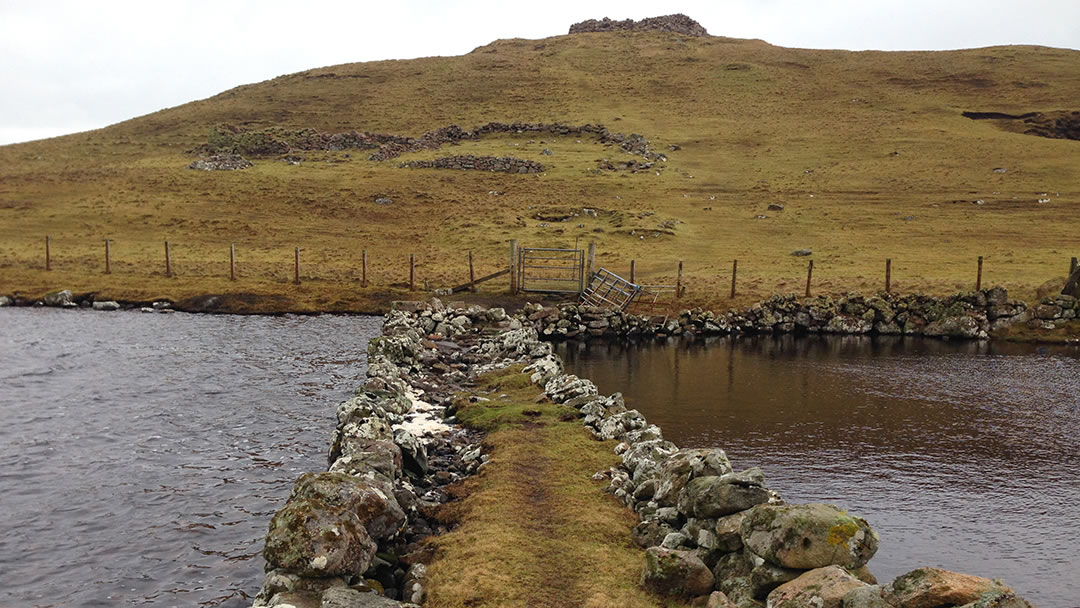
{"x": 868, "y": 152}
{"x": 536, "y": 530}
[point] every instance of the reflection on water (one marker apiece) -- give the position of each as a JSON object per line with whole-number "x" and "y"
{"x": 962, "y": 455}
{"x": 143, "y": 455}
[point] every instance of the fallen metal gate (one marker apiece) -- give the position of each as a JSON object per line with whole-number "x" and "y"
{"x": 609, "y": 290}
{"x": 551, "y": 270}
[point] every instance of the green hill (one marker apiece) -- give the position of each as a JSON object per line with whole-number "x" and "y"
{"x": 868, "y": 152}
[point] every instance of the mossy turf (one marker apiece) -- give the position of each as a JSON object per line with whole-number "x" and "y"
{"x": 868, "y": 152}
{"x": 535, "y": 529}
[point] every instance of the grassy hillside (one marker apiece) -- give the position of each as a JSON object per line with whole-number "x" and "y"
{"x": 867, "y": 151}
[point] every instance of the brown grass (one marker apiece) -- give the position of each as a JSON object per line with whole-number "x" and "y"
{"x": 536, "y": 530}
{"x": 851, "y": 143}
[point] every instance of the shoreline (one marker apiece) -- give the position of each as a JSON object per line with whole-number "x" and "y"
{"x": 707, "y": 533}
{"x": 986, "y": 314}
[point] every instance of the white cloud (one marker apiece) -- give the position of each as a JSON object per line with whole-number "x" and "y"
{"x": 74, "y": 64}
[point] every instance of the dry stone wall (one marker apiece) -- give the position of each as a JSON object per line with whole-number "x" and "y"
{"x": 677, "y": 23}
{"x": 710, "y": 534}
{"x": 505, "y": 164}
{"x": 971, "y": 315}
{"x": 230, "y": 139}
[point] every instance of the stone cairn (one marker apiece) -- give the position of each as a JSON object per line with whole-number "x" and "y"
{"x": 677, "y": 23}
{"x": 713, "y": 535}
{"x": 506, "y": 164}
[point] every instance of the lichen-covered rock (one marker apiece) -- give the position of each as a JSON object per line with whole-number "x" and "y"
{"x": 999, "y": 599}
{"x": 375, "y": 506}
{"x": 561, "y": 389}
{"x": 360, "y": 455}
{"x": 685, "y": 465}
{"x": 413, "y": 452}
{"x": 105, "y": 305}
{"x": 675, "y": 573}
{"x": 62, "y": 298}
{"x": 311, "y": 538}
{"x": 413, "y": 585}
{"x": 279, "y": 581}
{"x": 821, "y": 587}
{"x": 865, "y": 597}
{"x": 715, "y": 496}
{"x": 808, "y": 536}
{"x": 955, "y": 326}
{"x": 716, "y": 599}
{"x": 616, "y": 426}
{"x": 727, "y": 532}
{"x": 933, "y": 587}
{"x": 344, "y": 597}
{"x": 650, "y": 532}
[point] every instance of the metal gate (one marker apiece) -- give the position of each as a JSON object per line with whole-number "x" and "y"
{"x": 551, "y": 270}
{"x": 609, "y": 290}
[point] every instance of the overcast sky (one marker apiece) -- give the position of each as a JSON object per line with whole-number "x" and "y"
{"x": 68, "y": 66}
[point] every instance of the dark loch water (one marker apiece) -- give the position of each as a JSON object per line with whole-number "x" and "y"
{"x": 961, "y": 455}
{"x": 144, "y": 454}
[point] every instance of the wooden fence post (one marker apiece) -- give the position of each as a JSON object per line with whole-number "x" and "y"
{"x": 412, "y": 272}
{"x": 232, "y": 261}
{"x": 734, "y": 273}
{"x": 632, "y": 272}
{"x": 978, "y": 277}
{"x": 678, "y": 282}
{"x": 168, "y": 262}
{"x": 590, "y": 262}
{"x": 513, "y": 266}
{"x": 108, "y": 267}
{"x": 363, "y": 268}
{"x": 888, "y": 275}
{"x": 472, "y": 274}
{"x": 296, "y": 274}
{"x": 809, "y": 275}
{"x": 48, "y": 258}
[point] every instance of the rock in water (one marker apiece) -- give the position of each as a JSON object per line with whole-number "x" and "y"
{"x": 716, "y": 496}
{"x": 808, "y": 536}
{"x": 675, "y": 573}
{"x": 932, "y": 587}
{"x": 313, "y": 539}
{"x": 374, "y": 506}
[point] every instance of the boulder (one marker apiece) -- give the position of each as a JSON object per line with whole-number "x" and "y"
{"x": 808, "y": 536}
{"x": 675, "y": 573}
{"x": 934, "y": 587}
{"x": 6, "y": 301}
{"x": 999, "y": 599}
{"x": 561, "y": 389}
{"x": 685, "y": 465}
{"x": 865, "y": 597}
{"x": 281, "y": 582}
{"x": 716, "y": 599}
{"x": 413, "y": 452}
{"x": 964, "y": 326}
{"x": 727, "y": 532}
{"x": 360, "y": 456}
{"x": 313, "y": 539}
{"x": 107, "y": 305}
{"x": 59, "y": 298}
{"x": 822, "y": 588}
{"x": 344, "y": 597}
{"x": 375, "y": 506}
{"x": 715, "y": 496}
{"x": 413, "y": 585}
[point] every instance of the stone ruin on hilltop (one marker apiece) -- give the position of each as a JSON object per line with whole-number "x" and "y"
{"x": 677, "y": 23}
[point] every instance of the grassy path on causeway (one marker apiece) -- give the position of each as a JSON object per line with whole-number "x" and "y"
{"x": 535, "y": 529}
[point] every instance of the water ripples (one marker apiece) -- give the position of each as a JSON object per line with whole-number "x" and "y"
{"x": 145, "y": 454}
